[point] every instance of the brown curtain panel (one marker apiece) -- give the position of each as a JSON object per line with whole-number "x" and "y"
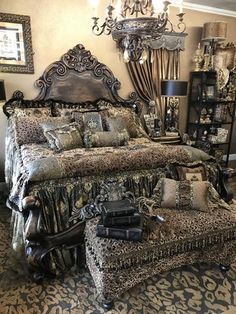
{"x": 160, "y": 64}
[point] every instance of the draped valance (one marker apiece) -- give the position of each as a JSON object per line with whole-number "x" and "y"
{"x": 169, "y": 41}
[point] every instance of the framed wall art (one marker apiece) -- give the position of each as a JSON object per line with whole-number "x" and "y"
{"x": 16, "y": 54}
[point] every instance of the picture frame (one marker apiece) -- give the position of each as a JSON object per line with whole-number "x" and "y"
{"x": 16, "y": 52}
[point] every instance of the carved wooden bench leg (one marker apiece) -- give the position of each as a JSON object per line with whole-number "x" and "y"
{"x": 108, "y": 304}
{"x": 39, "y": 244}
{"x": 224, "y": 268}
{"x": 38, "y": 277}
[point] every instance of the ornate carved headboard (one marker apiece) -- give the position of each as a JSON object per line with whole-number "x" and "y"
{"x": 78, "y": 77}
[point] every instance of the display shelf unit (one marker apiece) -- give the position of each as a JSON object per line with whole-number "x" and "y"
{"x": 211, "y": 113}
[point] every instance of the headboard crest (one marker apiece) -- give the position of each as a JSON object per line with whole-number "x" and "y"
{"x": 78, "y": 77}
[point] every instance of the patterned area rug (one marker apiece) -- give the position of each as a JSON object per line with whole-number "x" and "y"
{"x": 193, "y": 289}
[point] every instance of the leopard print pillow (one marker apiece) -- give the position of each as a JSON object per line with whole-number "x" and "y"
{"x": 28, "y": 129}
{"x": 32, "y": 112}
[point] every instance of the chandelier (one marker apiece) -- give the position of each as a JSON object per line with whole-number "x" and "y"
{"x": 134, "y": 24}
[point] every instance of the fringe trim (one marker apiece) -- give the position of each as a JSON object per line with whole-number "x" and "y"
{"x": 156, "y": 253}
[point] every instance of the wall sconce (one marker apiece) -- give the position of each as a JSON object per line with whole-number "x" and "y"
{"x": 212, "y": 33}
{"x": 2, "y": 91}
{"x": 173, "y": 89}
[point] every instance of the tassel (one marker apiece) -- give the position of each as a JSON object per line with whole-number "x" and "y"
{"x": 87, "y": 212}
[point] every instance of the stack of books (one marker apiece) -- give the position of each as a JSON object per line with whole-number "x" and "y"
{"x": 120, "y": 220}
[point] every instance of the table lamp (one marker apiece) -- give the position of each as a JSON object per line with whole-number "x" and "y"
{"x": 212, "y": 33}
{"x": 173, "y": 89}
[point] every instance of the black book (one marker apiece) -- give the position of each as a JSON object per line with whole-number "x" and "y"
{"x": 134, "y": 233}
{"x": 133, "y": 219}
{"x": 118, "y": 208}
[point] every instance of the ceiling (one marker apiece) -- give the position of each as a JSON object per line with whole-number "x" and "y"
{"x": 228, "y": 5}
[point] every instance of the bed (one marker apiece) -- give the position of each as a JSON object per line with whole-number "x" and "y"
{"x": 79, "y": 97}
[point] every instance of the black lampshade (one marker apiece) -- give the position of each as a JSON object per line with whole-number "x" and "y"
{"x": 2, "y": 91}
{"x": 171, "y": 88}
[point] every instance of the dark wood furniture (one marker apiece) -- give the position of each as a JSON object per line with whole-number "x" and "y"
{"x": 209, "y": 110}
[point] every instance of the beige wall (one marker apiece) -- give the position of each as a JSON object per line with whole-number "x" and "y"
{"x": 58, "y": 25}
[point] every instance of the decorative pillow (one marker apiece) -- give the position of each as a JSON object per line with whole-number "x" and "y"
{"x": 78, "y": 118}
{"x": 64, "y": 137}
{"x": 92, "y": 121}
{"x": 35, "y": 112}
{"x": 105, "y": 139}
{"x": 129, "y": 119}
{"x": 88, "y": 121}
{"x": 196, "y": 154}
{"x": 28, "y": 130}
{"x": 62, "y": 112}
{"x": 55, "y": 122}
{"x": 192, "y": 172}
{"x": 184, "y": 195}
{"x": 62, "y": 109}
{"x": 116, "y": 124}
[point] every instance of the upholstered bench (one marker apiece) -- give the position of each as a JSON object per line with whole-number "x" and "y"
{"x": 186, "y": 237}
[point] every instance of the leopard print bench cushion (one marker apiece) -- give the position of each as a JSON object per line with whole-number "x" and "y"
{"x": 182, "y": 231}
